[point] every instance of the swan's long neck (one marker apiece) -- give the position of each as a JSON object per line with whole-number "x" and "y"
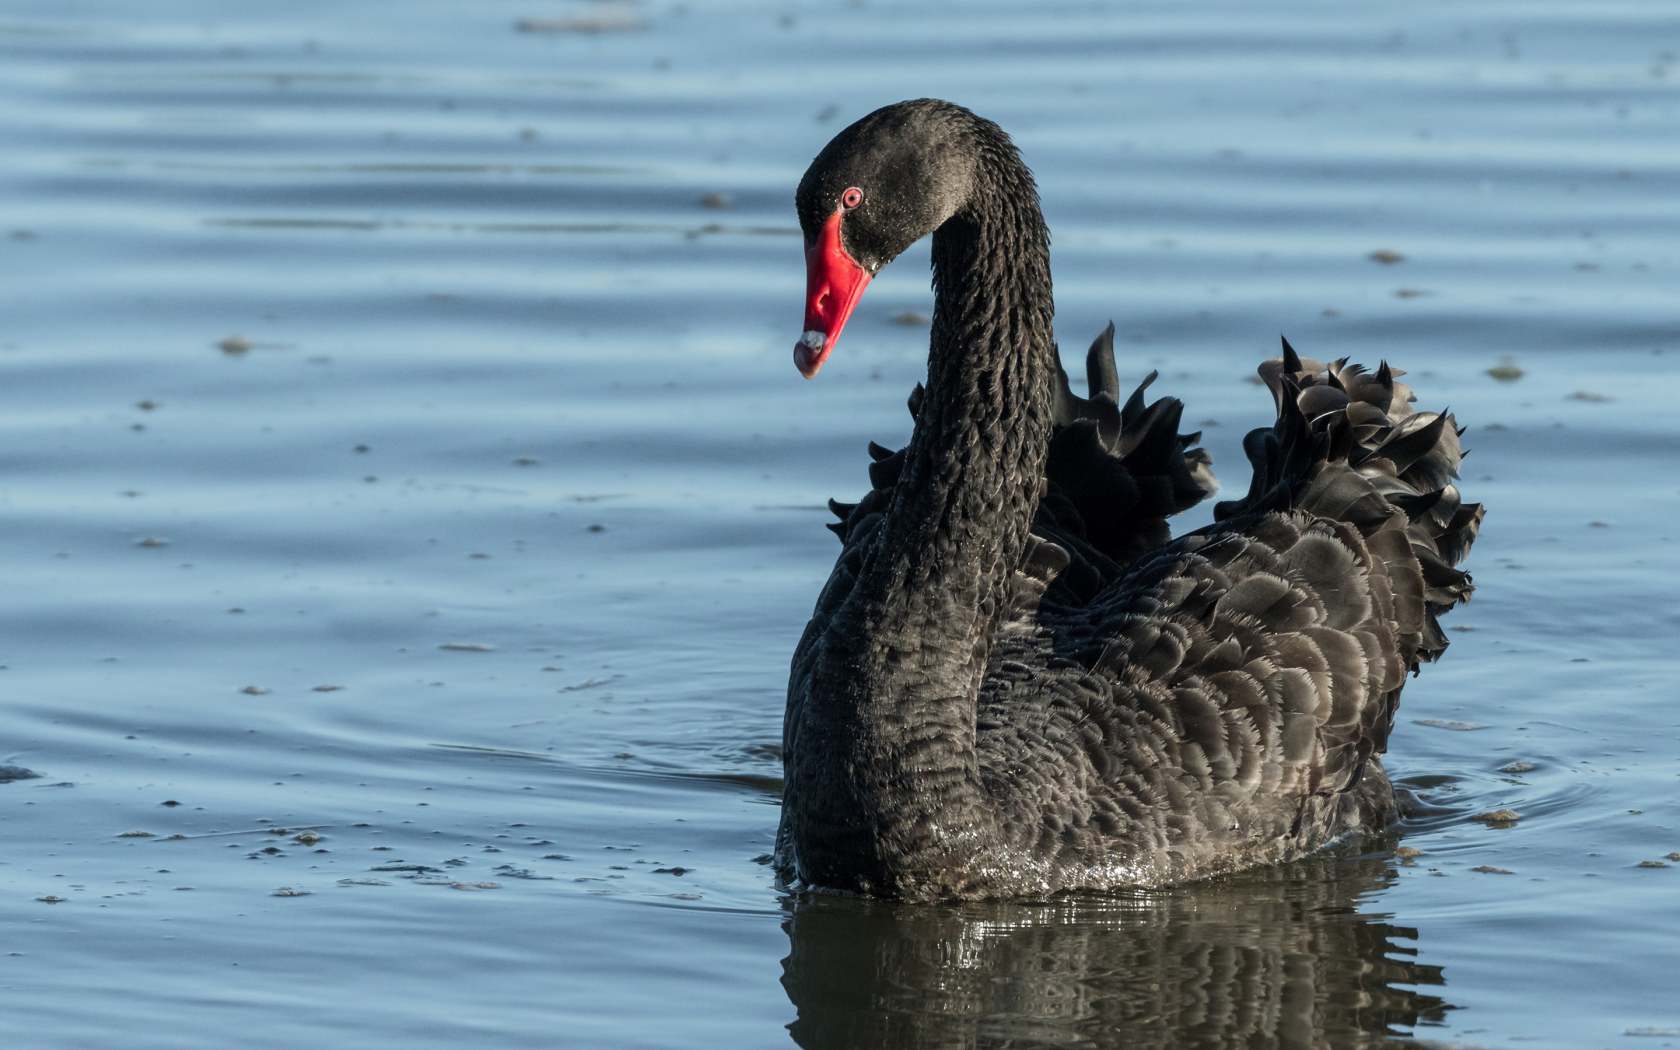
{"x": 963, "y": 506}
{"x": 891, "y": 702}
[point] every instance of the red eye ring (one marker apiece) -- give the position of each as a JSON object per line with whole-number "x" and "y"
{"x": 851, "y": 198}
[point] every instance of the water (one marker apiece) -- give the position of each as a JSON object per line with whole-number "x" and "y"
{"x": 488, "y": 311}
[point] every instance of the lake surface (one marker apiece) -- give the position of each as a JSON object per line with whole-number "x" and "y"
{"x": 399, "y": 439}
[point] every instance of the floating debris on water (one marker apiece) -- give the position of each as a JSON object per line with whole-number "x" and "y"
{"x": 1409, "y": 293}
{"x": 715, "y": 200}
{"x": 152, "y": 541}
{"x": 511, "y": 872}
{"x": 11, "y": 773}
{"x": 1498, "y": 818}
{"x": 135, "y": 835}
{"x": 909, "y": 318}
{"x": 256, "y": 690}
{"x": 1386, "y": 256}
{"x": 475, "y": 885}
{"x": 234, "y": 344}
{"x": 1653, "y": 864}
{"x": 363, "y": 882}
{"x": 1506, "y": 371}
{"x": 586, "y": 24}
{"x": 1587, "y": 395}
{"x": 326, "y": 689}
{"x": 287, "y": 891}
{"x": 1491, "y": 870}
{"x": 308, "y": 838}
{"x": 1403, "y": 852}
{"x": 1443, "y": 723}
{"x": 468, "y": 647}
{"x": 50, "y": 899}
{"x": 1522, "y": 765}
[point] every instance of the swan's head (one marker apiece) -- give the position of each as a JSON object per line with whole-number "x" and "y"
{"x": 881, "y": 185}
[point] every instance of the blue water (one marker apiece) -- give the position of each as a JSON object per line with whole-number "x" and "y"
{"x": 507, "y": 445}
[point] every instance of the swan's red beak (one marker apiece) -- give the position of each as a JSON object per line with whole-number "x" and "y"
{"x": 833, "y": 283}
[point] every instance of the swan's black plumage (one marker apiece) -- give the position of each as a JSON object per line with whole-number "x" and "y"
{"x": 1014, "y": 681}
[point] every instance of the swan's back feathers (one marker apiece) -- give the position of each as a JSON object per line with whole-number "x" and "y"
{"x": 1218, "y": 707}
{"x": 1154, "y": 711}
{"x": 1226, "y": 699}
{"x": 1121, "y": 470}
{"x": 1114, "y": 475}
{"x": 1348, "y": 447}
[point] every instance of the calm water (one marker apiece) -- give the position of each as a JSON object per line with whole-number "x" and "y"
{"x": 484, "y": 549}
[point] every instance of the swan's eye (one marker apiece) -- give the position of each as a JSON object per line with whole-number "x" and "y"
{"x": 851, "y": 198}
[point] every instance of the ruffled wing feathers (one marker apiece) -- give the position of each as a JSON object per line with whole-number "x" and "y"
{"x": 1222, "y": 700}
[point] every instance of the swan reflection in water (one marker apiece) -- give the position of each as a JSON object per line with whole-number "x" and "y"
{"x": 1275, "y": 957}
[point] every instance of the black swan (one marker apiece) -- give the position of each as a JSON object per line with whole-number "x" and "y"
{"x": 1015, "y": 682}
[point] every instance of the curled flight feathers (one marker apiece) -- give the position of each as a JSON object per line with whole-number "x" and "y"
{"x": 1348, "y": 446}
